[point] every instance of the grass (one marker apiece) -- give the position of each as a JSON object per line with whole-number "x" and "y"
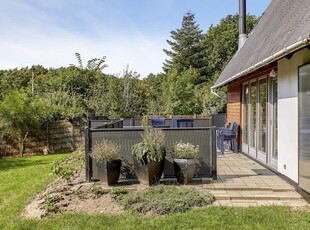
{"x": 163, "y": 199}
{"x": 21, "y": 178}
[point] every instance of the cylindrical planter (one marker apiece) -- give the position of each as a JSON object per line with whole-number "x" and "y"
{"x": 150, "y": 172}
{"x": 184, "y": 170}
{"x": 109, "y": 171}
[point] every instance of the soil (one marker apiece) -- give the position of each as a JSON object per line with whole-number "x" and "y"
{"x": 73, "y": 196}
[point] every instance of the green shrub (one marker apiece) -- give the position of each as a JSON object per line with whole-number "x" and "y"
{"x": 163, "y": 200}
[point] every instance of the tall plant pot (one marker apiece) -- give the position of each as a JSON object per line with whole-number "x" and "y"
{"x": 109, "y": 171}
{"x": 184, "y": 170}
{"x": 150, "y": 172}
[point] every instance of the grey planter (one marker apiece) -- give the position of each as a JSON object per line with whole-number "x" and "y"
{"x": 109, "y": 171}
{"x": 184, "y": 170}
{"x": 150, "y": 172}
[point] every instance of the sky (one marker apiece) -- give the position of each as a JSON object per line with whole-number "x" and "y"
{"x": 128, "y": 32}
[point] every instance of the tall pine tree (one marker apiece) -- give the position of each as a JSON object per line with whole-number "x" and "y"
{"x": 186, "y": 48}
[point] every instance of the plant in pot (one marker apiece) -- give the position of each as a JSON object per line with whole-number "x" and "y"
{"x": 107, "y": 156}
{"x": 185, "y": 157}
{"x": 149, "y": 156}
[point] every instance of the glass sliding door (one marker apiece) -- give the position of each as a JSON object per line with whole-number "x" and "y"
{"x": 273, "y": 122}
{"x": 304, "y": 127}
{"x": 245, "y": 118}
{"x": 252, "y": 119}
{"x": 262, "y": 119}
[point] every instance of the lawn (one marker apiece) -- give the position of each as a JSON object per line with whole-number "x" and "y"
{"x": 21, "y": 178}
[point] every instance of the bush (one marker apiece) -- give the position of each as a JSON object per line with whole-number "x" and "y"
{"x": 163, "y": 200}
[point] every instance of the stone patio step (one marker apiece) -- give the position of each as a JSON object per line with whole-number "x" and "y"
{"x": 233, "y": 188}
{"x": 256, "y": 195}
{"x": 246, "y": 187}
{"x": 255, "y": 203}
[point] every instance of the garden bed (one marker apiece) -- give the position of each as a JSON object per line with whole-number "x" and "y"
{"x": 94, "y": 198}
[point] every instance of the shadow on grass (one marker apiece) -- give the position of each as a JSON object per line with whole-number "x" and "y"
{"x": 27, "y": 161}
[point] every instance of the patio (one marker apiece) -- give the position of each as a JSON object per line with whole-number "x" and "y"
{"x": 243, "y": 182}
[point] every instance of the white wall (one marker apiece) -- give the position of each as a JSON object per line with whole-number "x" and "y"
{"x": 288, "y": 113}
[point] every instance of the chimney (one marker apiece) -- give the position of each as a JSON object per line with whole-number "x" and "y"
{"x": 242, "y": 23}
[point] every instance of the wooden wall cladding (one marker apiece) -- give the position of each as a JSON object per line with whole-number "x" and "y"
{"x": 234, "y": 103}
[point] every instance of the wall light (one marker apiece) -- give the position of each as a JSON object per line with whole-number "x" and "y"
{"x": 273, "y": 73}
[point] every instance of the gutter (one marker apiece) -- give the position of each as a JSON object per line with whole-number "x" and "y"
{"x": 272, "y": 58}
{"x": 214, "y": 93}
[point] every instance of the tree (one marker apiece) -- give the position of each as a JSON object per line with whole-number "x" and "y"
{"x": 95, "y": 64}
{"x": 19, "y": 115}
{"x": 61, "y": 104}
{"x": 220, "y": 44}
{"x": 154, "y": 89}
{"x": 209, "y": 103}
{"x": 114, "y": 96}
{"x": 186, "y": 48}
{"x": 13, "y": 79}
{"x": 134, "y": 94}
{"x": 179, "y": 92}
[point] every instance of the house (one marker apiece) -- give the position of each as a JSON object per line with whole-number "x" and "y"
{"x": 268, "y": 84}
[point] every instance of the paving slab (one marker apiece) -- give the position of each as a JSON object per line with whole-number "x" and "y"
{"x": 243, "y": 182}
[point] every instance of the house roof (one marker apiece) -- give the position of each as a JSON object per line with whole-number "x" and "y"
{"x": 283, "y": 29}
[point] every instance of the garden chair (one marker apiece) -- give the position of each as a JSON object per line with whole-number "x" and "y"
{"x": 227, "y": 134}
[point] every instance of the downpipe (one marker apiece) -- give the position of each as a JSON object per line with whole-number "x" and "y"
{"x": 214, "y": 93}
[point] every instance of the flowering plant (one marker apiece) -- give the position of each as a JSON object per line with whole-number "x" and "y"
{"x": 186, "y": 150}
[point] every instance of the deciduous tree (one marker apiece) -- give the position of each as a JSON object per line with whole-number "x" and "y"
{"x": 19, "y": 115}
{"x": 179, "y": 92}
